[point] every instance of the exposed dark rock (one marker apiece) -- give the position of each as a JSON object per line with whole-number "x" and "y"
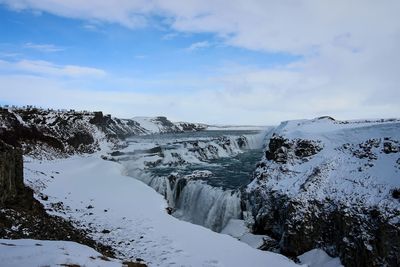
{"x": 360, "y": 235}
{"x": 134, "y": 264}
{"x": 35, "y": 223}
{"x": 391, "y": 147}
{"x": 98, "y": 118}
{"x": 117, "y": 153}
{"x": 80, "y": 138}
{"x": 241, "y": 141}
{"x": 16, "y": 133}
{"x": 165, "y": 122}
{"x": 154, "y": 150}
{"x": 358, "y": 239}
{"x": 66, "y": 132}
{"x": 396, "y": 193}
{"x": 305, "y": 148}
{"x": 280, "y": 149}
{"x": 325, "y": 118}
{"x": 11, "y": 174}
{"x": 191, "y": 127}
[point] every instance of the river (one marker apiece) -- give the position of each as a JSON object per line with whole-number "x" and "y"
{"x": 200, "y": 174}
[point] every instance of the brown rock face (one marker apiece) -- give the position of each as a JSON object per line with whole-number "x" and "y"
{"x": 11, "y": 174}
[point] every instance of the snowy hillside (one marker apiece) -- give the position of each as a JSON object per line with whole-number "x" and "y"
{"x": 131, "y": 217}
{"x": 163, "y": 125}
{"x": 59, "y": 132}
{"x": 30, "y": 252}
{"x": 331, "y": 184}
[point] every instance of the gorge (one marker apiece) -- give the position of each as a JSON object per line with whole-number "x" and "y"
{"x": 304, "y": 185}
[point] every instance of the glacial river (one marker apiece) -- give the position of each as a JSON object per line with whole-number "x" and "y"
{"x": 199, "y": 173}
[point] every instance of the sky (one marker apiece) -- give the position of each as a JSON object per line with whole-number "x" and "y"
{"x": 253, "y": 62}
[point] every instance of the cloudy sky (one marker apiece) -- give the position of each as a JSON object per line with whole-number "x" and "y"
{"x": 220, "y": 61}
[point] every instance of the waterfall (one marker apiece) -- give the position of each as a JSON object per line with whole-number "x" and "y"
{"x": 195, "y": 201}
{"x": 190, "y": 197}
{"x": 203, "y": 204}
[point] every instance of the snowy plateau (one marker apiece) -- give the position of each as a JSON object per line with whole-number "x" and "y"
{"x": 159, "y": 193}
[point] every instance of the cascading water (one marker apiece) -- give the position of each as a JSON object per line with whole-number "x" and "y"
{"x": 206, "y": 197}
{"x": 211, "y": 207}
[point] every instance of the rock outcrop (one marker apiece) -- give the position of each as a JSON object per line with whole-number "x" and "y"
{"x": 22, "y": 216}
{"x": 12, "y": 188}
{"x": 332, "y": 185}
{"x": 48, "y": 133}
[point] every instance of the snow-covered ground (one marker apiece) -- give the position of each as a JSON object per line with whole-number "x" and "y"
{"x": 131, "y": 217}
{"x": 358, "y": 162}
{"x": 354, "y": 163}
{"x": 30, "y": 252}
{"x": 319, "y": 258}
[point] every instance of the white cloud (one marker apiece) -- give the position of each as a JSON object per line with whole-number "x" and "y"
{"x": 169, "y": 36}
{"x": 129, "y": 13}
{"x": 349, "y": 63}
{"x": 9, "y": 54}
{"x": 198, "y": 45}
{"x": 288, "y": 26}
{"x": 49, "y": 69}
{"x": 47, "y": 48}
{"x": 236, "y": 96}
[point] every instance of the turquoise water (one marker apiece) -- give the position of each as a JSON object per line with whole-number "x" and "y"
{"x": 228, "y": 173}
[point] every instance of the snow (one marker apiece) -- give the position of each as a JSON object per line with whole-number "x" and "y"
{"x": 239, "y": 230}
{"x": 29, "y": 252}
{"x": 195, "y": 201}
{"x": 136, "y": 217}
{"x": 237, "y": 127}
{"x": 319, "y": 258}
{"x": 344, "y": 177}
{"x": 148, "y": 124}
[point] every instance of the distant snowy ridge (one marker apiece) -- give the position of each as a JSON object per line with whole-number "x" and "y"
{"x": 44, "y": 132}
{"x": 334, "y": 185}
{"x": 163, "y": 125}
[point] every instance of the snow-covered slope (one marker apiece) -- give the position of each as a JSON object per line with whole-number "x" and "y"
{"x": 331, "y": 184}
{"x": 130, "y": 216}
{"x": 163, "y": 125}
{"x": 30, "y": 252}
{"x": 59, "y": 132}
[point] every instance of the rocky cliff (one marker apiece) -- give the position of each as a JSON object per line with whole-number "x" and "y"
{"x": 12, "y": 188}
{"x": 22, "y": 216}
{"x": 42, "y": 133}
{"x": 332, "y": 185}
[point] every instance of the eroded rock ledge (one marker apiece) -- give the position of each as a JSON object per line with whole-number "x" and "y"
{"x": 327, "y": 188}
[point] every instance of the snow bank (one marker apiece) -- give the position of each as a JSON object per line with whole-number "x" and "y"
{"x": 354, "y": 165}
{"x": 29, "y": 252}
{"x": 319, "y": 258}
